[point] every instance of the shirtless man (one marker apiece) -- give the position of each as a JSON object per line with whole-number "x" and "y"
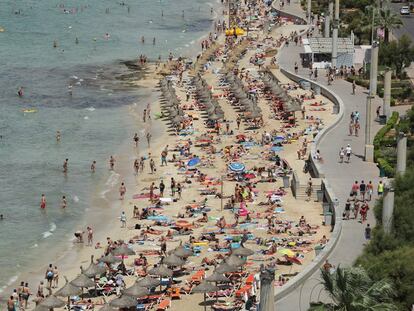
{"x": 136, "y": 140}
{"x": 58, "y": 136}
{"x": 122, "y": 191}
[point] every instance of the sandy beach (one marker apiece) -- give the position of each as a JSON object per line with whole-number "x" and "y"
{"x": 207, "y": 216}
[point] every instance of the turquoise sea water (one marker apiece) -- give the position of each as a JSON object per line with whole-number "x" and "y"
{"x": 93, "y": 121}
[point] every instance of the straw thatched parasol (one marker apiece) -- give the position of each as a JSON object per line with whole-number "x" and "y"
{"x": 205, "y": 287}
{"x": 173, "y": 260}
{"x": 82, "y": 281}
{"x": 181, "y": 251}
{"x": 68, "y": 290}
{"x": 224, "y": 267}
{"x": 94, "y": 269}
{"x": 52, "y": 302}
{"x": 217, "y": 277}
{"x": 235, "y": 261}
{"x": 123, "y": 302}
{"x": 110, "y": 259}
{"x": 242, "y": 251}
{"x": 148, "y": 282}
{"x": 122, "y": 250}
{"x": 136, "y": 291}
{"x": 161, "y": 271}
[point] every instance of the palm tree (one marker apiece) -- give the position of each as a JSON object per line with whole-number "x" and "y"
{"x": 351, "y": 289}
{"x": 388, "y": 21}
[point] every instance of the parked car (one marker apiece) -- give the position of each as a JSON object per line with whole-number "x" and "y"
{"x": 405, "y": 10}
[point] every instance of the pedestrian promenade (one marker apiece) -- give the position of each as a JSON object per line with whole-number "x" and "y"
{"x": 339, "y": 175}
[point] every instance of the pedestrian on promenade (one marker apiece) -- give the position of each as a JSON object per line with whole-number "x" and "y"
{"x": 347, "y": 209}
{"x": 353, "y": 87}
{"x": 296, "y": 67}
{"x": 368, "y": 232}
{"x": 354, "y": 190}
{"x": 380, "y": 188}
{"x": 351, "y": 128}
{"x": 378, "y": 112}
{"x": 341, "y": 155}
{"x": 348, "y": 152}
{"x": 370, "y": 190}
{"x": 364, "y": 211}
{"x": 357, "y": 126}
{"x": 362, "y": 190}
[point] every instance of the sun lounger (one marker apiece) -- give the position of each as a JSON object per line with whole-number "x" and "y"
{"x": 164, "y": 305}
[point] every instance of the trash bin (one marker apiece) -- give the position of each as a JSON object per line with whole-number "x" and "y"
{"x": 382, "y": 119}
{"x": 328, "y": 218}
{"x": 319, "y": 195}
{"x": 285, "y": 181}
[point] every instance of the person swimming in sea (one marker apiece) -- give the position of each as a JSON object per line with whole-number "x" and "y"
{"x": 20, "y": 91}
{"x": 43, "y": 202}
{"x": 93, "y": 166}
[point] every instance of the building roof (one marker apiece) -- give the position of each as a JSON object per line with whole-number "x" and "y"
{"x": 324, "y": 45}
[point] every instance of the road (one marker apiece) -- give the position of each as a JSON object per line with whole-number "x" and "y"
{"x": 408, "y": 22}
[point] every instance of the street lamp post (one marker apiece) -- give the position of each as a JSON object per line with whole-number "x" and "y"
{"x": 335, "y": 35}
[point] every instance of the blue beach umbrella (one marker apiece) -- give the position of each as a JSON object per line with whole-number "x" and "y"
{"x": 237, "y": 167}
{"x": 193, "y": 162}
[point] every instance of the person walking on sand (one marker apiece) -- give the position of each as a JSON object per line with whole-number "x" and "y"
{"x": 144, "y": 116}
{"x": 164, "y": 158}
{"x": 136, "y": 140}
{"x": 179, "y": 189}
{"x": 122, "y": 191}
{"x": 43, "y": 202}
{"x": 172, "y": 186}
{"x": 65, "y": 166}
{"x": 141, "y": 164}
{"x": 64, "y": 203}
{"x": 148, "y": 138}
{"x": 111, "y": 163}
{"x": 49, "y": 276}
{"x": 136, "y": 167}
{"x": 152, "y": 166}
{"x": 162, "y": 187}
{"x": 238, "y": 121}
{"x": 55, "y": 277}
{"x": 123, "y": 219}
{"x": 93, "y": 166}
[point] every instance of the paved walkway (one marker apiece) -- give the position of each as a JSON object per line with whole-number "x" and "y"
{"x": 340, "y": 176}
